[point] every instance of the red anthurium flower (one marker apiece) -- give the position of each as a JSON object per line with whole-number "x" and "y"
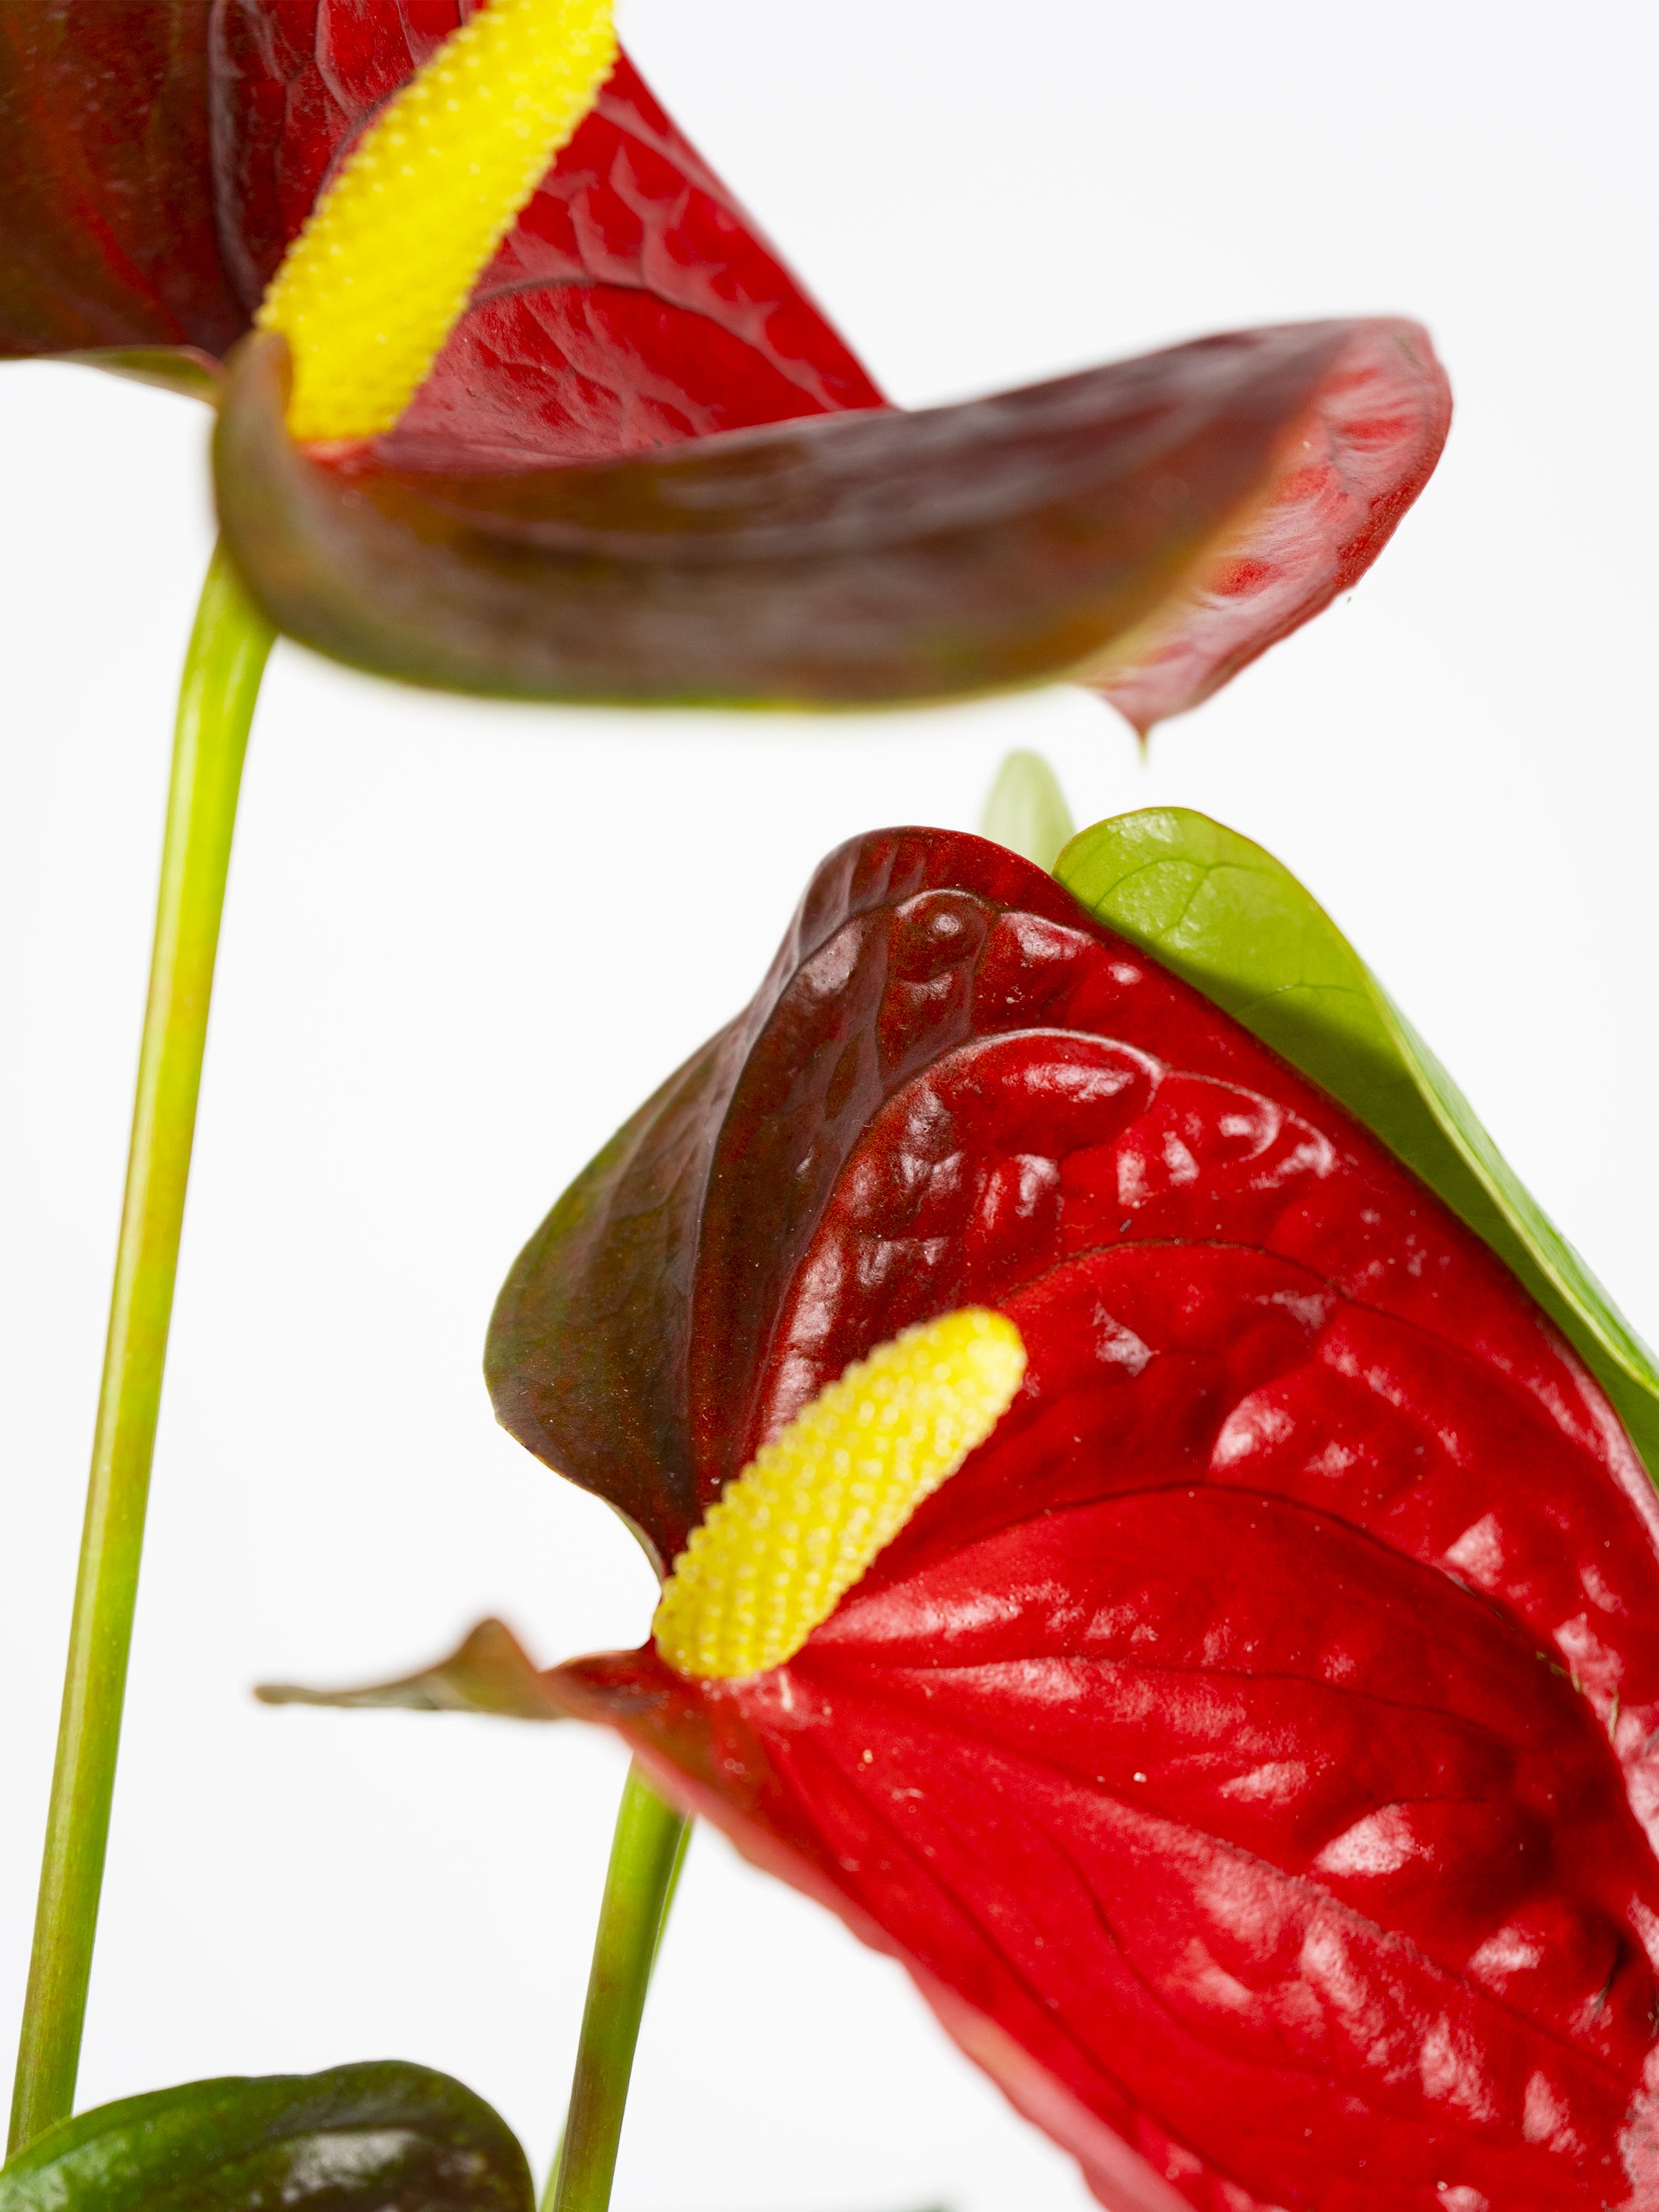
{"x": 1251, "y": 1748}
{"x": 1149, "y": 528}
{"x": 160, "y": 160}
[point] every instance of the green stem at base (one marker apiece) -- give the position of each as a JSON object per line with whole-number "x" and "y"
{"x": 646, "y": 1856}
{"x": 222, "y": 669}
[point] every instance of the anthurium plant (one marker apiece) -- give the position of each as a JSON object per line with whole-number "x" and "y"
{"x": 1131, "y": 1546}
{"x": 1154, "y": 1526}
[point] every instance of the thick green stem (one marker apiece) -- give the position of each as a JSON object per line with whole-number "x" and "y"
{"x": 225, "y": 660}
{"x": 639, "y": 1887}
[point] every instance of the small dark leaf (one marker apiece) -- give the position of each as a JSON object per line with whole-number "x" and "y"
{"x": 385, "y": 2137}
{"x": 852, "y": 560}
{"x": 490, "y": 1673}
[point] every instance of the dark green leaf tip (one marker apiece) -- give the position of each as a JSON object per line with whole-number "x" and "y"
{"x": 383, "y": 2137}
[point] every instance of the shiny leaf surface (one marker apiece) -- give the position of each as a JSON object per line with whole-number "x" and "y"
{"x": 1232, "y": 920}
{"x": 488, "y": 1673}
{"x": 387, "y": 2138}
{"x": 1251, "y": 1748}
{"x": 851, "y": 559}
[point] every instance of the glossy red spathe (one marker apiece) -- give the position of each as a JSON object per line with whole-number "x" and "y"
{"x": 633, "y": 305}
{"x": 159, "y": 166}
{"x": 1251, "y": 1749}
{"x": 155, "y": 163}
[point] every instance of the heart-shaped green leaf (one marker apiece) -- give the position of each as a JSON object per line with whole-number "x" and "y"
{"x": 1234, "y": 922}
{"x": 386, "y": 2137}
{"x": 489, "y": 1673}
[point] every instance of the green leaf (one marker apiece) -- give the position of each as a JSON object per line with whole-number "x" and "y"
{"x": 489, "y": 1673}
{"x": 1026, "y": 809}
{"x": 386, "y": 2137}
{"x": 1228, "y": 917}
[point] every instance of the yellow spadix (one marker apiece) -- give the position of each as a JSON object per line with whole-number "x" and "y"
{"x": 807, "y": 1516}
{"x": 374, "y": 283}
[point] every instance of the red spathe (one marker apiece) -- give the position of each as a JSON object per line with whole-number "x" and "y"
{"x": 157, "y": 163}
{"x": 634, "y": 304}
{"x": 1249, "y": 1749}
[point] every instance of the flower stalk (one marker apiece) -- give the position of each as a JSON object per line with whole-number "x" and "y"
{"x": 226, "y": 659}
{"x": 647, "y": 1853}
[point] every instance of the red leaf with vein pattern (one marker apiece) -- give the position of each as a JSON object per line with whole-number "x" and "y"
{"x": 1250, "y": 1749}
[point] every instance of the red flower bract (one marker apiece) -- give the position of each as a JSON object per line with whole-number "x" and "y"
{"x": 156, "y": 160}
{"x": 1250, "y": 1750}
{"x": 160, "y": 160}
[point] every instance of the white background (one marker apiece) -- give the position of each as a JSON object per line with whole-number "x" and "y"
{"x": 462, "y": 942}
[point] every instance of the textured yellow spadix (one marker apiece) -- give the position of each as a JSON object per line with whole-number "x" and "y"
{"x": 374, "y": 283}
{"x": 810, "y": 1512}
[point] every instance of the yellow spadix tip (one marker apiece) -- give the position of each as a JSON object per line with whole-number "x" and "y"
{"x": 807, "y": 1516}
{"x": 376, "y": 280}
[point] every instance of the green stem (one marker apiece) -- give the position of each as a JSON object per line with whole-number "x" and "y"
{"x": 646, "y": 1856}
{"x": 222, "y": 669}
